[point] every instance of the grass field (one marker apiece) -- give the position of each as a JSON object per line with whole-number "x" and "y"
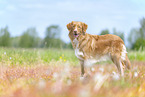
{"x": 56, "y": 72}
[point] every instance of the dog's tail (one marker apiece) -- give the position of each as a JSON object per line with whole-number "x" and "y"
{"x": 125, "y": 60}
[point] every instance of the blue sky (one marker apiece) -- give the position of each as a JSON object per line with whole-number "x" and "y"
{"x": 19, "y": 15}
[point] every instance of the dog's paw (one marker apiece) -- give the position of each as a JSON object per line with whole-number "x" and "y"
{"x": 82, "y": 78}
{"x": 85, "y": 78}
{"x": 115, "y": 76}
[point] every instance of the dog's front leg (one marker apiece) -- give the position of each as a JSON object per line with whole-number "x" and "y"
{"x": 82, "y": 67}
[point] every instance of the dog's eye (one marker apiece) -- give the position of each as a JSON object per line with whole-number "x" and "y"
{"x": 79, "y": 27}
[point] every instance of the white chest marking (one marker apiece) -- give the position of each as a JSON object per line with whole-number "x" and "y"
{"x": 78, "y": 53}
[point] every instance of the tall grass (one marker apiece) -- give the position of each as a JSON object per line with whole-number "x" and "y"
{"x": 137, "y": 55}
{"x": 12, "y": 56}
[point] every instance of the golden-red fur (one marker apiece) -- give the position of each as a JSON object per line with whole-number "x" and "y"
{"x": 93, "y": 47}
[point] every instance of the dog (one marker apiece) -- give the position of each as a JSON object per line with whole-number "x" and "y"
{"x": 90, "y": 49}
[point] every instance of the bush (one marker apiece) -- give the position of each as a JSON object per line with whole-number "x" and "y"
{"x": 139, "y": 44}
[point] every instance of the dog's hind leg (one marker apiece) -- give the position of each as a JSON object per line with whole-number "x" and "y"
{"x": 117, "y": 61}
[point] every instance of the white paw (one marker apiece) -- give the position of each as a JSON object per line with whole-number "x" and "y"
{"x": 82, "y": 78}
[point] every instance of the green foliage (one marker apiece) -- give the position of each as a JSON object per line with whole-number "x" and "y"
{"x": 5, "y": 39}
{"x": 139, "y": 44}
{"x": 23, "y": 57}
{"x": 105, "y": 32}
{"x": 29, "y": 39}
{"x": 133, "y": 36}
{"x": 69, "y": 45}
{"x": 31, "y": 56}
{"x": 53, "y": 31}
{"x": 142, "y": 28}
{"x": 52, "y": 39}
{"x": 137, "y": 36}
{"x": 53, "y": 43}
{"x": 15, "y": 41}
{"x": 137, "y": 55}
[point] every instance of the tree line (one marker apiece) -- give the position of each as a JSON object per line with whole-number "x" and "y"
{"x": 30, "y": 38}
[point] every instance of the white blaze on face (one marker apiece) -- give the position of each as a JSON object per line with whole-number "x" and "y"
{"x": 76, "y": 29}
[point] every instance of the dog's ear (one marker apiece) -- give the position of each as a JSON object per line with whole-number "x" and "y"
{"x": 84, "y": 28}
{"x": 69, "y": 26}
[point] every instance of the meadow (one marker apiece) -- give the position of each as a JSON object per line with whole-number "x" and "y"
{"x": 56, "y": 73}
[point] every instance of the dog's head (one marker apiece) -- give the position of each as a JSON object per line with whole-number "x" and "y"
{"x": 77, "y": 28}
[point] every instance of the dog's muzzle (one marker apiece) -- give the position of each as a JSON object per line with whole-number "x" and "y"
{"x": 75, "y": 34}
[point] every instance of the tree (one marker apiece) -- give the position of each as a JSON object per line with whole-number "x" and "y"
{"x": 52, "y": 38}
{"x": 5, "y": 39}
{"x": 104, "y": 32}
{"x": 133, "y": 36}
{"x": 15, "y": 41}
{"x": 139, "y": 44}
{"x": 53, "y": 31}
{"x": 69, "y": 45}
{"x": 142, "y": 28}
{"x": 137, "y": 36}
{"x": 29, "y": 39}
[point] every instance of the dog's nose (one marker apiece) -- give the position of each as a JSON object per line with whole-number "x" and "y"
{"x": 75, "y": 31}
